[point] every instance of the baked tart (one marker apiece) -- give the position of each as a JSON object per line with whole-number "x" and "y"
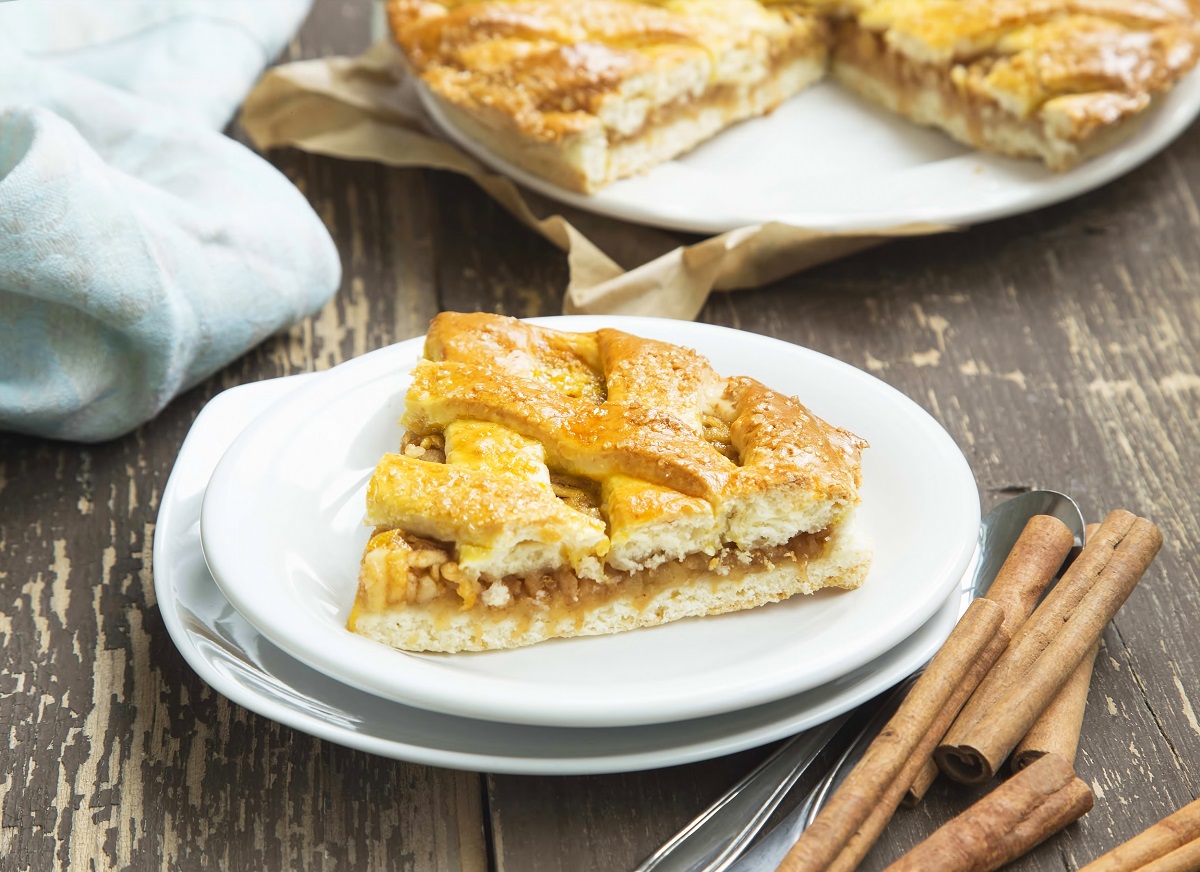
{"x": 1059, "y": 80}
{"x": 584, "y": 92}
{"x": 555, "y": 484}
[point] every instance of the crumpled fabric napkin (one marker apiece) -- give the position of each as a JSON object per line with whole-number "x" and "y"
{"x": 140, "y": 249}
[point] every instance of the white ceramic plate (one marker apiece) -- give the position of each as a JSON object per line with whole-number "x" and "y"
{"x": 829, "y": 161}
{"x": 283, "y": 534}
{"x": 238, "y": 662}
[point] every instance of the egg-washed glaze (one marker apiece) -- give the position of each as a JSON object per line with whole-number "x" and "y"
{"x": 586, "y": 92}
{"x": 555, "y": 483}
{"x": 1055, "y": 79}
{"x": 608, "y": 88}
{"x": 553, "y": 66}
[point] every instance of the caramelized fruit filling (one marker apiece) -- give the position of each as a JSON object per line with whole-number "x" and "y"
{"x": 400, "y": 567}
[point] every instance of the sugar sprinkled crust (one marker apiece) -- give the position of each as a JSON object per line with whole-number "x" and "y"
{"x": 583, "y": 92}
{"x": 587, "y": 91}
{"x": 1058, "y": 80}
{"x": 558, "y": 483}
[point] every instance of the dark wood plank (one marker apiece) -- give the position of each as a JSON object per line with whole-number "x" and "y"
{"x": 600, "y": 822}
{"x": 1060, "y": 350}
{"x": 119, "y": 755}
{"x": 487, "y": 261}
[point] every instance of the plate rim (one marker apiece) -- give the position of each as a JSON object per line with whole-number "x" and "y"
{"x": 1162, "y": 125}
{"x": 172, "y": 513}
{"x": 490, "y": 697}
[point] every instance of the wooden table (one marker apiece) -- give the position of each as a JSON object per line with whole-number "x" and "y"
{"x": 1060, "y": 349}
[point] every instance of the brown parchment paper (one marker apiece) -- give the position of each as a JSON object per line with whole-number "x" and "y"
{"x": 366, "y": 108}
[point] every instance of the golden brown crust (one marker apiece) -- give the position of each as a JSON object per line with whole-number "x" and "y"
{"x": 583, "y": 92}
{"x": 549, "y": 67}
{"x": 600, "y": 459}
{"x": 1068, "y": 70}
{"x": 558, "y": 85}
{"x": 649, "y": 424}
{"x": 943, "y": 31}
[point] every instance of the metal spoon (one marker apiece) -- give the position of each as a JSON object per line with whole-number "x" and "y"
{"x": 1065, "y": 510}
{"x": 715, "y": 839}
{"x": 770, "y": 851}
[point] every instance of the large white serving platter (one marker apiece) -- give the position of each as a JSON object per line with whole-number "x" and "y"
{"x": 282, "y": 532}
{"x": 238, "y": 662}
{"x": 828, "y": 160}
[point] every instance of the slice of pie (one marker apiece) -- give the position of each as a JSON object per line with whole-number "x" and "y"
{"x": 583, "y": 92}
{"x": 1059, "y": 80}
{"x": 558, "y": 484}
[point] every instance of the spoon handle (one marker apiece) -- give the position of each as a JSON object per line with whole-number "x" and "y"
{"x": 854, "y": 752}
{"x": 706, "y": 843}
{"x": 772, "y": 848}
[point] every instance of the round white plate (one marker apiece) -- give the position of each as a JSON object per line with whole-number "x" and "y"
{"x": 238, "y": 662}
{"x": 828, "y": 160}
{"x": 282, "y": 532}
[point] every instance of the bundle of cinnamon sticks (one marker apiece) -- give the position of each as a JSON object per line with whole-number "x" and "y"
{"x": 1012, "y": 677}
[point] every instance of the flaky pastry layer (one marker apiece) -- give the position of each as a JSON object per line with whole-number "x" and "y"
{"x": 563, "y": 475}
{"x": 583, "y": 92}
{"x": 1058, "y": 81}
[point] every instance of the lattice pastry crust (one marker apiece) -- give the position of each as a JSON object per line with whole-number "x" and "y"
{"x": 583, "y": 92}
{"x": 559, "y": 484}
{"x": 1059, "y": 80}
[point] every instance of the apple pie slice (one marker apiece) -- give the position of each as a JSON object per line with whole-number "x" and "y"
{"x": 583, "y": 92}
{"x": 1059, "y": 80}
{"x": 562, "y": 484}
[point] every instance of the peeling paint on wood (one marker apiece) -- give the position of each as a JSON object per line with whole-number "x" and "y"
{"x": 1059, "y": 349}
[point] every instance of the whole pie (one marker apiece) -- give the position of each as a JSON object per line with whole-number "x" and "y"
{"x": 558, "y": 484}
{"x": 584, "y": 92}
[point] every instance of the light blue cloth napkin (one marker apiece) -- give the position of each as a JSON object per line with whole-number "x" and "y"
{"x": 140, "y": 249}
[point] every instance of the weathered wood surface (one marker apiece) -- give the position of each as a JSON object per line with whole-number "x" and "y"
{"x": 1060, "y": 349}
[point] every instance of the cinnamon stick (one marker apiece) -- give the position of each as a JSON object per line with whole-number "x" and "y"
{"x": 921, "y": 783}
{"x": 1048, "y": 648}
{"x": 1035, "y": 558}
{"x": 853, "y": 802}
{"x": 1059, "y": 603}
{"x": 1056, "y": 731}
{"x": 865, "y": 837}
{"x": 1171, "y": 834}
{"x": 1019, "y": 814}
{"x": 1182, "y": 859}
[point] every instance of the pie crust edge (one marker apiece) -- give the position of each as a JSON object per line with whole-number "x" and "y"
{"x": 802, "y": 472}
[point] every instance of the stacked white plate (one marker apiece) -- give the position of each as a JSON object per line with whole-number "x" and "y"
{"x": 260, "y": 533}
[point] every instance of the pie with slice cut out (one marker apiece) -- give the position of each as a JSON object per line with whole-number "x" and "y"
{"x": 1059, "y": 80}
{"x": 584, "y": 92}
{"x": 554, "y": 484}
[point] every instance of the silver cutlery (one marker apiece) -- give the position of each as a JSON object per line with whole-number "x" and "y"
{"x": 716, "y": 839}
